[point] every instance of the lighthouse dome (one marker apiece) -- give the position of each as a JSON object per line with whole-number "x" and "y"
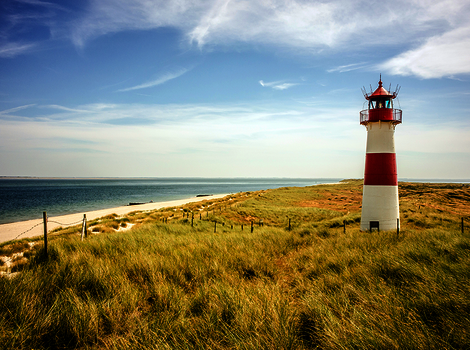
{"x": 380, "y": 93}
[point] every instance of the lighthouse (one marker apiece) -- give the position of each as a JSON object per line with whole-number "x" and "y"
{"x": 380, "y": 208}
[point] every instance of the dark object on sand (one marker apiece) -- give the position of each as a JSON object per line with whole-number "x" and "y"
{"x": 139, "y": 203}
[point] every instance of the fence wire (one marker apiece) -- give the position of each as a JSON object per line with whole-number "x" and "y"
{"x": 40, "y": 223}
{"x": 62, "y": 224}
{"x": 27, "y": 230}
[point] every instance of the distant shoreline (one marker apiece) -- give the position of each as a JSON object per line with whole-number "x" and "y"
{"x": 19, "y": 177}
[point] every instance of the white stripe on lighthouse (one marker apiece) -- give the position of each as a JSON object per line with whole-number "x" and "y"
{"x": 380, "y": 138}
{"x": 380, "y": 203}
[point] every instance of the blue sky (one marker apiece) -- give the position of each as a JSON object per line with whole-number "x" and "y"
{"x": 265, "y": 88}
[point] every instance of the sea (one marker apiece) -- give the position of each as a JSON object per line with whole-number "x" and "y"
{"x": 27, "y": 198}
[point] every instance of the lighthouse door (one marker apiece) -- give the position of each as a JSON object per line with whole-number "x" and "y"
{"x": 374, "y": 225}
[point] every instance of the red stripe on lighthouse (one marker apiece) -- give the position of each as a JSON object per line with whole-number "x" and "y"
{"x": 381, "y": 169}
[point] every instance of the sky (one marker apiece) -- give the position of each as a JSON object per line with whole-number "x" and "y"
{"x": 229, "y": 88}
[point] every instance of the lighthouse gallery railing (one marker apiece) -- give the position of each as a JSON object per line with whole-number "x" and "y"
{"x": 396, "y": 116}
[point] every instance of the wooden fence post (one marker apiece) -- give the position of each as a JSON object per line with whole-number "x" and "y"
{"x": 289, "y": 224}
{"x": 84, "y": 231}
{"x": 44, "y": 218}
{"x": 251, "y": 226}
{"x": 192, "y": 219}
{"x": 344, "y": 226}
{"x": 215, "y": 226}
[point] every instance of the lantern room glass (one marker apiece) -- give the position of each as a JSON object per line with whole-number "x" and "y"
{"x": 388, "y": 103}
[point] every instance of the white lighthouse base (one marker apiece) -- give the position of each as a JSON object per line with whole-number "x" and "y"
{"x": 380, "y": 206}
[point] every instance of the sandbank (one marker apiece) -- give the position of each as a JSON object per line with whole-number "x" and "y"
{"x": 33, "y": 228}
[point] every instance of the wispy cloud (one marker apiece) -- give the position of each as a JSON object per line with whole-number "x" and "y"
{"x": 181, "y": 115}
{"x": 26, "y": 25}
{"x": 43, "y": 4}
{"x": 348, "y": 67}
{"x": 10, "y": 50}
{"x": 284, "y": 86}
{"x": 277, "y": 85}
{"x": 15, "y": 109}
{"x": 437, "y": 29}
{"x": 62, "y": 108}
{"x": 312, "y": 26}
{"x": 216, "y": 15}
{"x": 111, "y": 16}
{"x": 440, "y": 56}
{"x": 188, "y": 139}
{"x": 161, "y": 80}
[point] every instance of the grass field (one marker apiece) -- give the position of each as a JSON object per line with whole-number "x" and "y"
{"x": 192, "y": 278}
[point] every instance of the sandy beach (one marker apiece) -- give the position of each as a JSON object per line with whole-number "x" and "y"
{"x": 32, "y": 228}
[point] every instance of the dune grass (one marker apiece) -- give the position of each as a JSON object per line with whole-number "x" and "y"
{"x": 176, "y": 286}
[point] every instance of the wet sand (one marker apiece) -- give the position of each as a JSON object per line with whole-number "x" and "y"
{"x": 32, "y": 228}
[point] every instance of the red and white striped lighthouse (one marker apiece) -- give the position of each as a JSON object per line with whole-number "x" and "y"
{"x": 380, "y": 192}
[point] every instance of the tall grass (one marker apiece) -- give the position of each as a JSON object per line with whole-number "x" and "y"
{"x": 173, "y": 286}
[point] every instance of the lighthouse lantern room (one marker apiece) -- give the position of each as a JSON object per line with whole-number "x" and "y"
{"x": 380, "y": 208}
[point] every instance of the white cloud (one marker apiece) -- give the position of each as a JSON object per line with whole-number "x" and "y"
{"x": 161, "y": 80}
{"x": 178, "y": 140}
{"x": 440, "y": 56}
{"x": 437, "y": 29}
{"x": 294, "y": 23}
{"x": 306, "y": 25}
{"x": 214, "y": 140}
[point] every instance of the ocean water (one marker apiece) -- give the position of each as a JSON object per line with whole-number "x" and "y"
{"x": 26, "y": 199}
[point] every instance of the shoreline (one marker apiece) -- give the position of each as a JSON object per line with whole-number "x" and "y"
{"x": 33, "y": 228}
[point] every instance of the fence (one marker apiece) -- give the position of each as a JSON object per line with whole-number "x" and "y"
{"x": 84, "y": 233}
{"x": 45, "y": 221}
